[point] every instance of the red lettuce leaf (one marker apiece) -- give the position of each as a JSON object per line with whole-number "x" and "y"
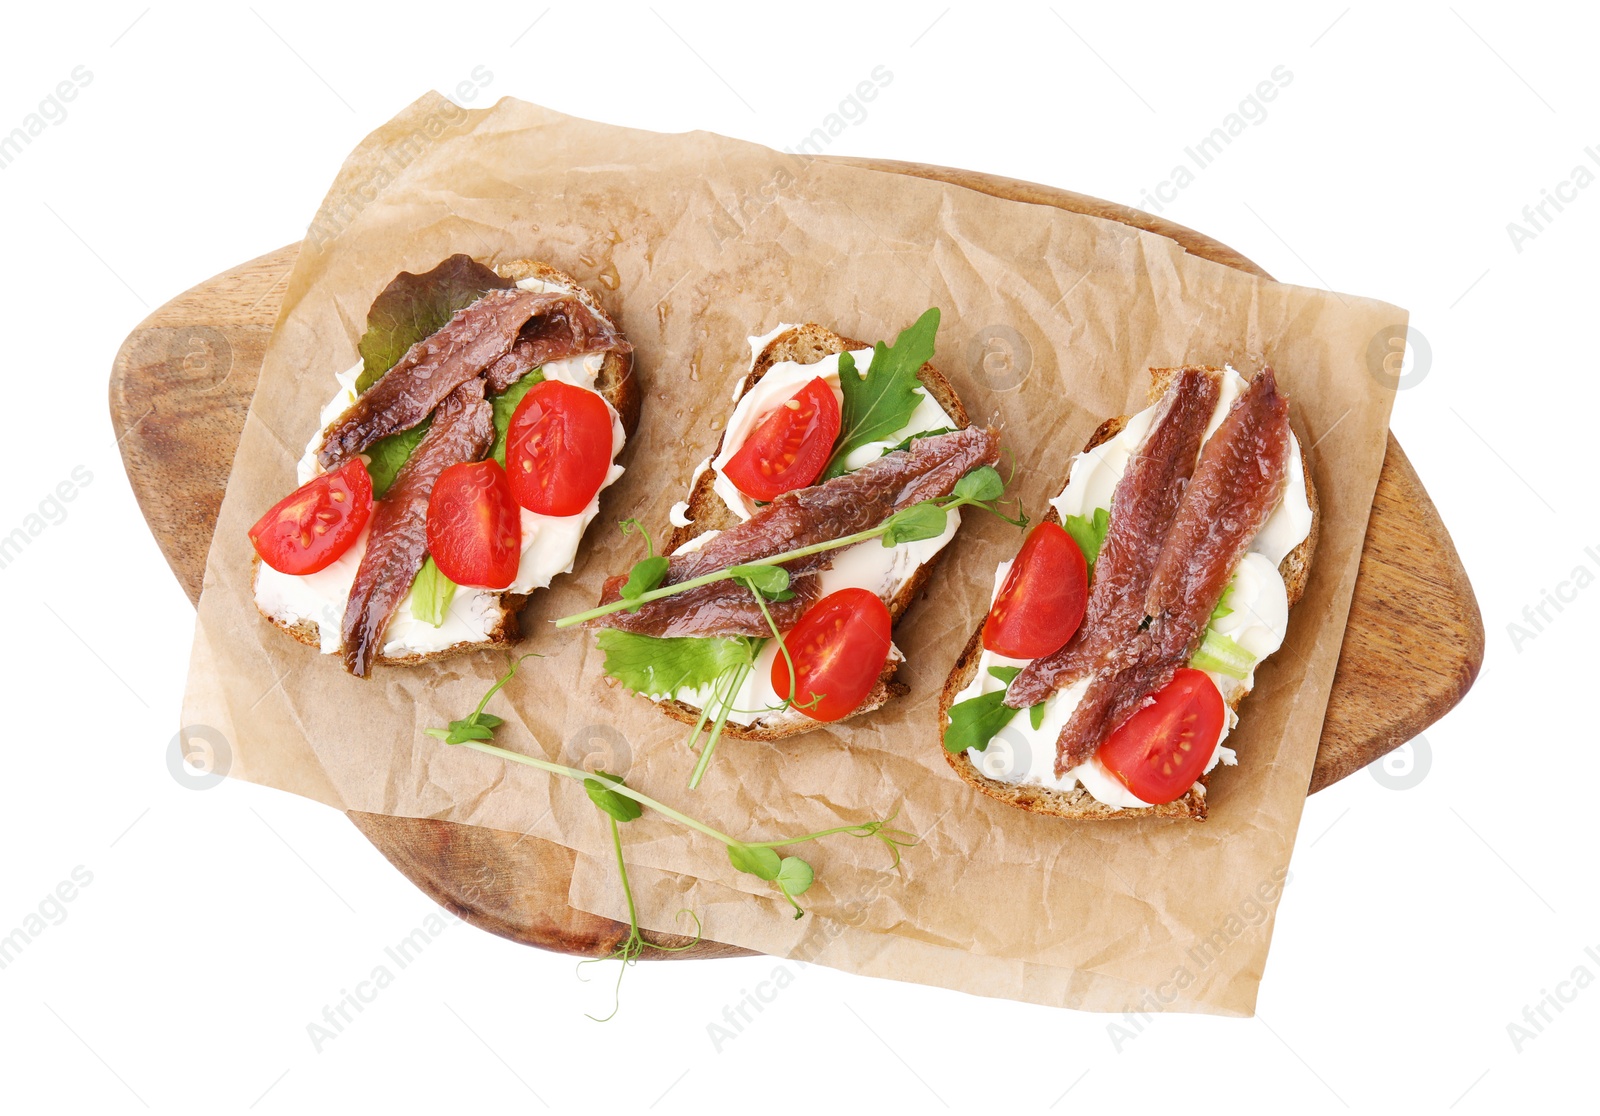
{"x": 412, "y": 307}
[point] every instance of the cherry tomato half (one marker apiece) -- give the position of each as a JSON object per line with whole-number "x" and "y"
{"x": 475, "y": 526}
{"x": 790, "y": 447}
{"x": 308, "y": 529}
{"x": 1161, "y": 750}
{"x": 558, "y": 448}
{"x": 839, "y": 648}
{"x": 1041, "y": 603}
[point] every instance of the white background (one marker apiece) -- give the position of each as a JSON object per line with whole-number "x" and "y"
{"x": 1419, "y": 922}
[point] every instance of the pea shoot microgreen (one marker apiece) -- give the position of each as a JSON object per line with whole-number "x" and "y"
{"x": 766, "y": 583}
{"x": 633, "y": 944}
{"x": 646, "y": 573}
{"x": 980, "y": 488}
{"x": 621, "y": 804}
{"x": 478, "y": 725}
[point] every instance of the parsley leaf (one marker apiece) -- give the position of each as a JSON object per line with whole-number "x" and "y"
{"x": 974, "y": 722}
{"x": 1089, "y": 532}
{"x": 882, "y": 401}
{"x": 661, "y": 666}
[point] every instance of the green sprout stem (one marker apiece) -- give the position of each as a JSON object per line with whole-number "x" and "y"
{"x": 783, "y": 647}
{"x": 633, "y": 945}
{"x": 869, "y": 829}
{"x": 722, "y": 575}
{"x": 611, "y": 784}
{"x": 724, "y": 705}
{"x": 894, "y": 839}
{"x": 945, "y": 504}
{"x": 622, "y": 870}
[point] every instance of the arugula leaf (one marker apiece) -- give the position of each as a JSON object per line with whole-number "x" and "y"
{"x": 620, "y": 807}
{"x": 387, "y": 454}
{"x": 1221, "y": 654}
{"x": 1036, "y": 715}
{"x": 974, "y": 722}
{"x": 431, "y": 594}
{"x": 882, "y": 401}
{"x": 1089, "y": 532}
{"x": 659, "y": 666}
{"x": 413, "y": 306}
{"x": 505, "y": 405}
{"x": 905, "y": 443}
{"x": 760, "y": 862}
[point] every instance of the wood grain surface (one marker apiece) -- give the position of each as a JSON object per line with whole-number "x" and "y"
{"x": 182, "y": 383}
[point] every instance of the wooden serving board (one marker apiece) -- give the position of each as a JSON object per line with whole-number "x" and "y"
{"x": 182, "y": 384}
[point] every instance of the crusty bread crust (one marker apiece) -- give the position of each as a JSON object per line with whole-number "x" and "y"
{"x": 1078, "y": 803}
{"x": 616, "y": 382}
{"x": 805, "y": 344}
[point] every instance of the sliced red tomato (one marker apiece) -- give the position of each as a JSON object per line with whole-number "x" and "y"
{"x": 1041, "y": 603}
{"x": 839, "y": 648}
{"x": 1161, "y": 750}
{"x": 475, "y": 526}
{"x": 790, "y": 447}
{"x": 558, "y": 448}
{"x": 308, "y": 529}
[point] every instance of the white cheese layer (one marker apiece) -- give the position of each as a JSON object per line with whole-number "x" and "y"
{"x": 869, "y": 565}
{"x": 549, "y": 545}
{"x": 1259, "y": 620}
{"x": 779, "y": 383}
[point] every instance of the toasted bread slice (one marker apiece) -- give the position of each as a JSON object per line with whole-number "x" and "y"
{"x": 1078, "y": 803}
{"x": 805, "y": 344}
{"x": 616, "y": 382}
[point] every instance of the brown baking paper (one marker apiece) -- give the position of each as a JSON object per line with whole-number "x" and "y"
{"x": 696, "y": 241}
